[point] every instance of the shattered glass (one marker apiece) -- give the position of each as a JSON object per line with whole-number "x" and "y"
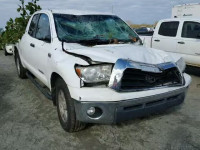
{"x": 72, "y": 28}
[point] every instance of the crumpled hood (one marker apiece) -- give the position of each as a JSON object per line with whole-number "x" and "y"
{"x": 111, "y": 53}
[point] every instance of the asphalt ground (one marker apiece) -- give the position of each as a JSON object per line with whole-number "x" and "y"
{"x": 29, "y": 121}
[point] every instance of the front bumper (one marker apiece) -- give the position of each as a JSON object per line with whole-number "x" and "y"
{"x": 115, "y": 112}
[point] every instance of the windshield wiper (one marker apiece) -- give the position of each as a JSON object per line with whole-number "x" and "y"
{"x": 94, "y": 41}
{"x": 100, "y": 41}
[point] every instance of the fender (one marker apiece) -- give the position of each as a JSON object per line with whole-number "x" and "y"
{"x": 87, "y": 59}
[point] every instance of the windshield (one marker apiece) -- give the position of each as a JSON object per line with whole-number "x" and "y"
{"x": 99, "y": 28}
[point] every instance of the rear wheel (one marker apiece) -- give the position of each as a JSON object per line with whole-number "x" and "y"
{"x": 5, "y": 52}
{"x": 21, "y": 71}
{"x": 66, "y": 109}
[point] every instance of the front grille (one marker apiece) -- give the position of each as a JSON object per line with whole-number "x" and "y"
{"x": 136, "y": 79}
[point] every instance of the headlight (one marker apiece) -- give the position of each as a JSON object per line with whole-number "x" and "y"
{"x": 94, "y": 74}
{"x": 181, "y": 64}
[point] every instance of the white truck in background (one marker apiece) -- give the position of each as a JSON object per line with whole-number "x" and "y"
{"x": 178, "y": 35}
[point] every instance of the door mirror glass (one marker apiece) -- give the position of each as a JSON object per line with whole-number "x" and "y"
{"x": 198, "y": 36}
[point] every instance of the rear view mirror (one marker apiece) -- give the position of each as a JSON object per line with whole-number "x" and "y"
{"x": 198, "y": 36}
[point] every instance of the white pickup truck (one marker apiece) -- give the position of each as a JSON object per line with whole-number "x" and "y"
{"x": 94, "y": 68}
{"x": 177, "y": 36}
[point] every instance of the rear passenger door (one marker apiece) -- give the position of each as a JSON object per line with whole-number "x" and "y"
{"x": 189, "y": 43}
{"x": 166, "y": 37}
{"x": 26, "y": 47}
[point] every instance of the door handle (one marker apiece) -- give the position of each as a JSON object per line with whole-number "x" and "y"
{"x": 157, "y": 40}
{"x": 181, "y": 42}
{"x": 49, "y": 55}
{"x": 32, "y": 45}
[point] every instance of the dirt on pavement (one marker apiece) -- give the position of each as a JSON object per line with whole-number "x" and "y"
{"x": 28, "y": 120}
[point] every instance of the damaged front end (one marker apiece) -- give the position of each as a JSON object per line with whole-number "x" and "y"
{"x": 138, "y": 90}
{"x": 132, "y": 76}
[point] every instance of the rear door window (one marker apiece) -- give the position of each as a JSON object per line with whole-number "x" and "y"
{"x": 191, "y": 30}
{"x": 43, "y": 29}
{"x": 169, "y": 29}
{"x": 33, "y": 25}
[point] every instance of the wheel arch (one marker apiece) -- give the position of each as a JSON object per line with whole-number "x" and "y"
{"x": 15, "y": 50}
{"x": 53, "y": 78}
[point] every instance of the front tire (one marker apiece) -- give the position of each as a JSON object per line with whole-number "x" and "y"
{"x": 66, "y": 109}
{"x": 21, "y": 71}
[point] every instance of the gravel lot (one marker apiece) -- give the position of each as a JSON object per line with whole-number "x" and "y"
{"x": 29, "y": 121}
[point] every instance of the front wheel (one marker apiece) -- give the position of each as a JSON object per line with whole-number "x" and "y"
{"x": 66, "y": 109}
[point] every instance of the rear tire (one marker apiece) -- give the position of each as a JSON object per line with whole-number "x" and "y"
{"x": 5, "y": 52}
{"x": 21, "y": 71}
{"x": 66, "y": 109}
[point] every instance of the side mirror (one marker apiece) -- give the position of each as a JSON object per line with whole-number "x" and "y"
{"x": 47, "y": 39}
{"x": 198, "y": 36}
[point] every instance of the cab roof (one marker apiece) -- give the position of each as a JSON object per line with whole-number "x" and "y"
{"x": 75, "y": 12}
{"x": 181, "y": 19}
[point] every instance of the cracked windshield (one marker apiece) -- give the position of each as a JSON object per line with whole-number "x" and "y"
{"x": 93, "y": 29}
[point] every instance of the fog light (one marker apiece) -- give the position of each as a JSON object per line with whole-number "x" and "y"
{"x": 91, "y": 111}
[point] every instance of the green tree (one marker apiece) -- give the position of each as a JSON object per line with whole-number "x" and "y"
{"x": 15, "y": 28}
{"x": 1, "y": 30}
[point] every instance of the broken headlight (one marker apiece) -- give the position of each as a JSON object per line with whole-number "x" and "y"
{"x": 94, "y": 73}
{"x": 181, "y": 64}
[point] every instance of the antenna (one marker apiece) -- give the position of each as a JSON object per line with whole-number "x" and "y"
{"x": 112, "y": 9}
{"x": 113, "y": 6}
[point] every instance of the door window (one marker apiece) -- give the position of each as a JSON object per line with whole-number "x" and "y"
{"x": 169, "y": 28}
{"x": 33, "y": 25}
{"x": 191, "y": 30}
{"x": 43, "y": 29}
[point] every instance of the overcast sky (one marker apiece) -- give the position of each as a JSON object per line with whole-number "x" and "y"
{"x": 136, "y": 11}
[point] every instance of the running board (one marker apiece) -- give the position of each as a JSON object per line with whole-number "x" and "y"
{"x": 44, "y": 91}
